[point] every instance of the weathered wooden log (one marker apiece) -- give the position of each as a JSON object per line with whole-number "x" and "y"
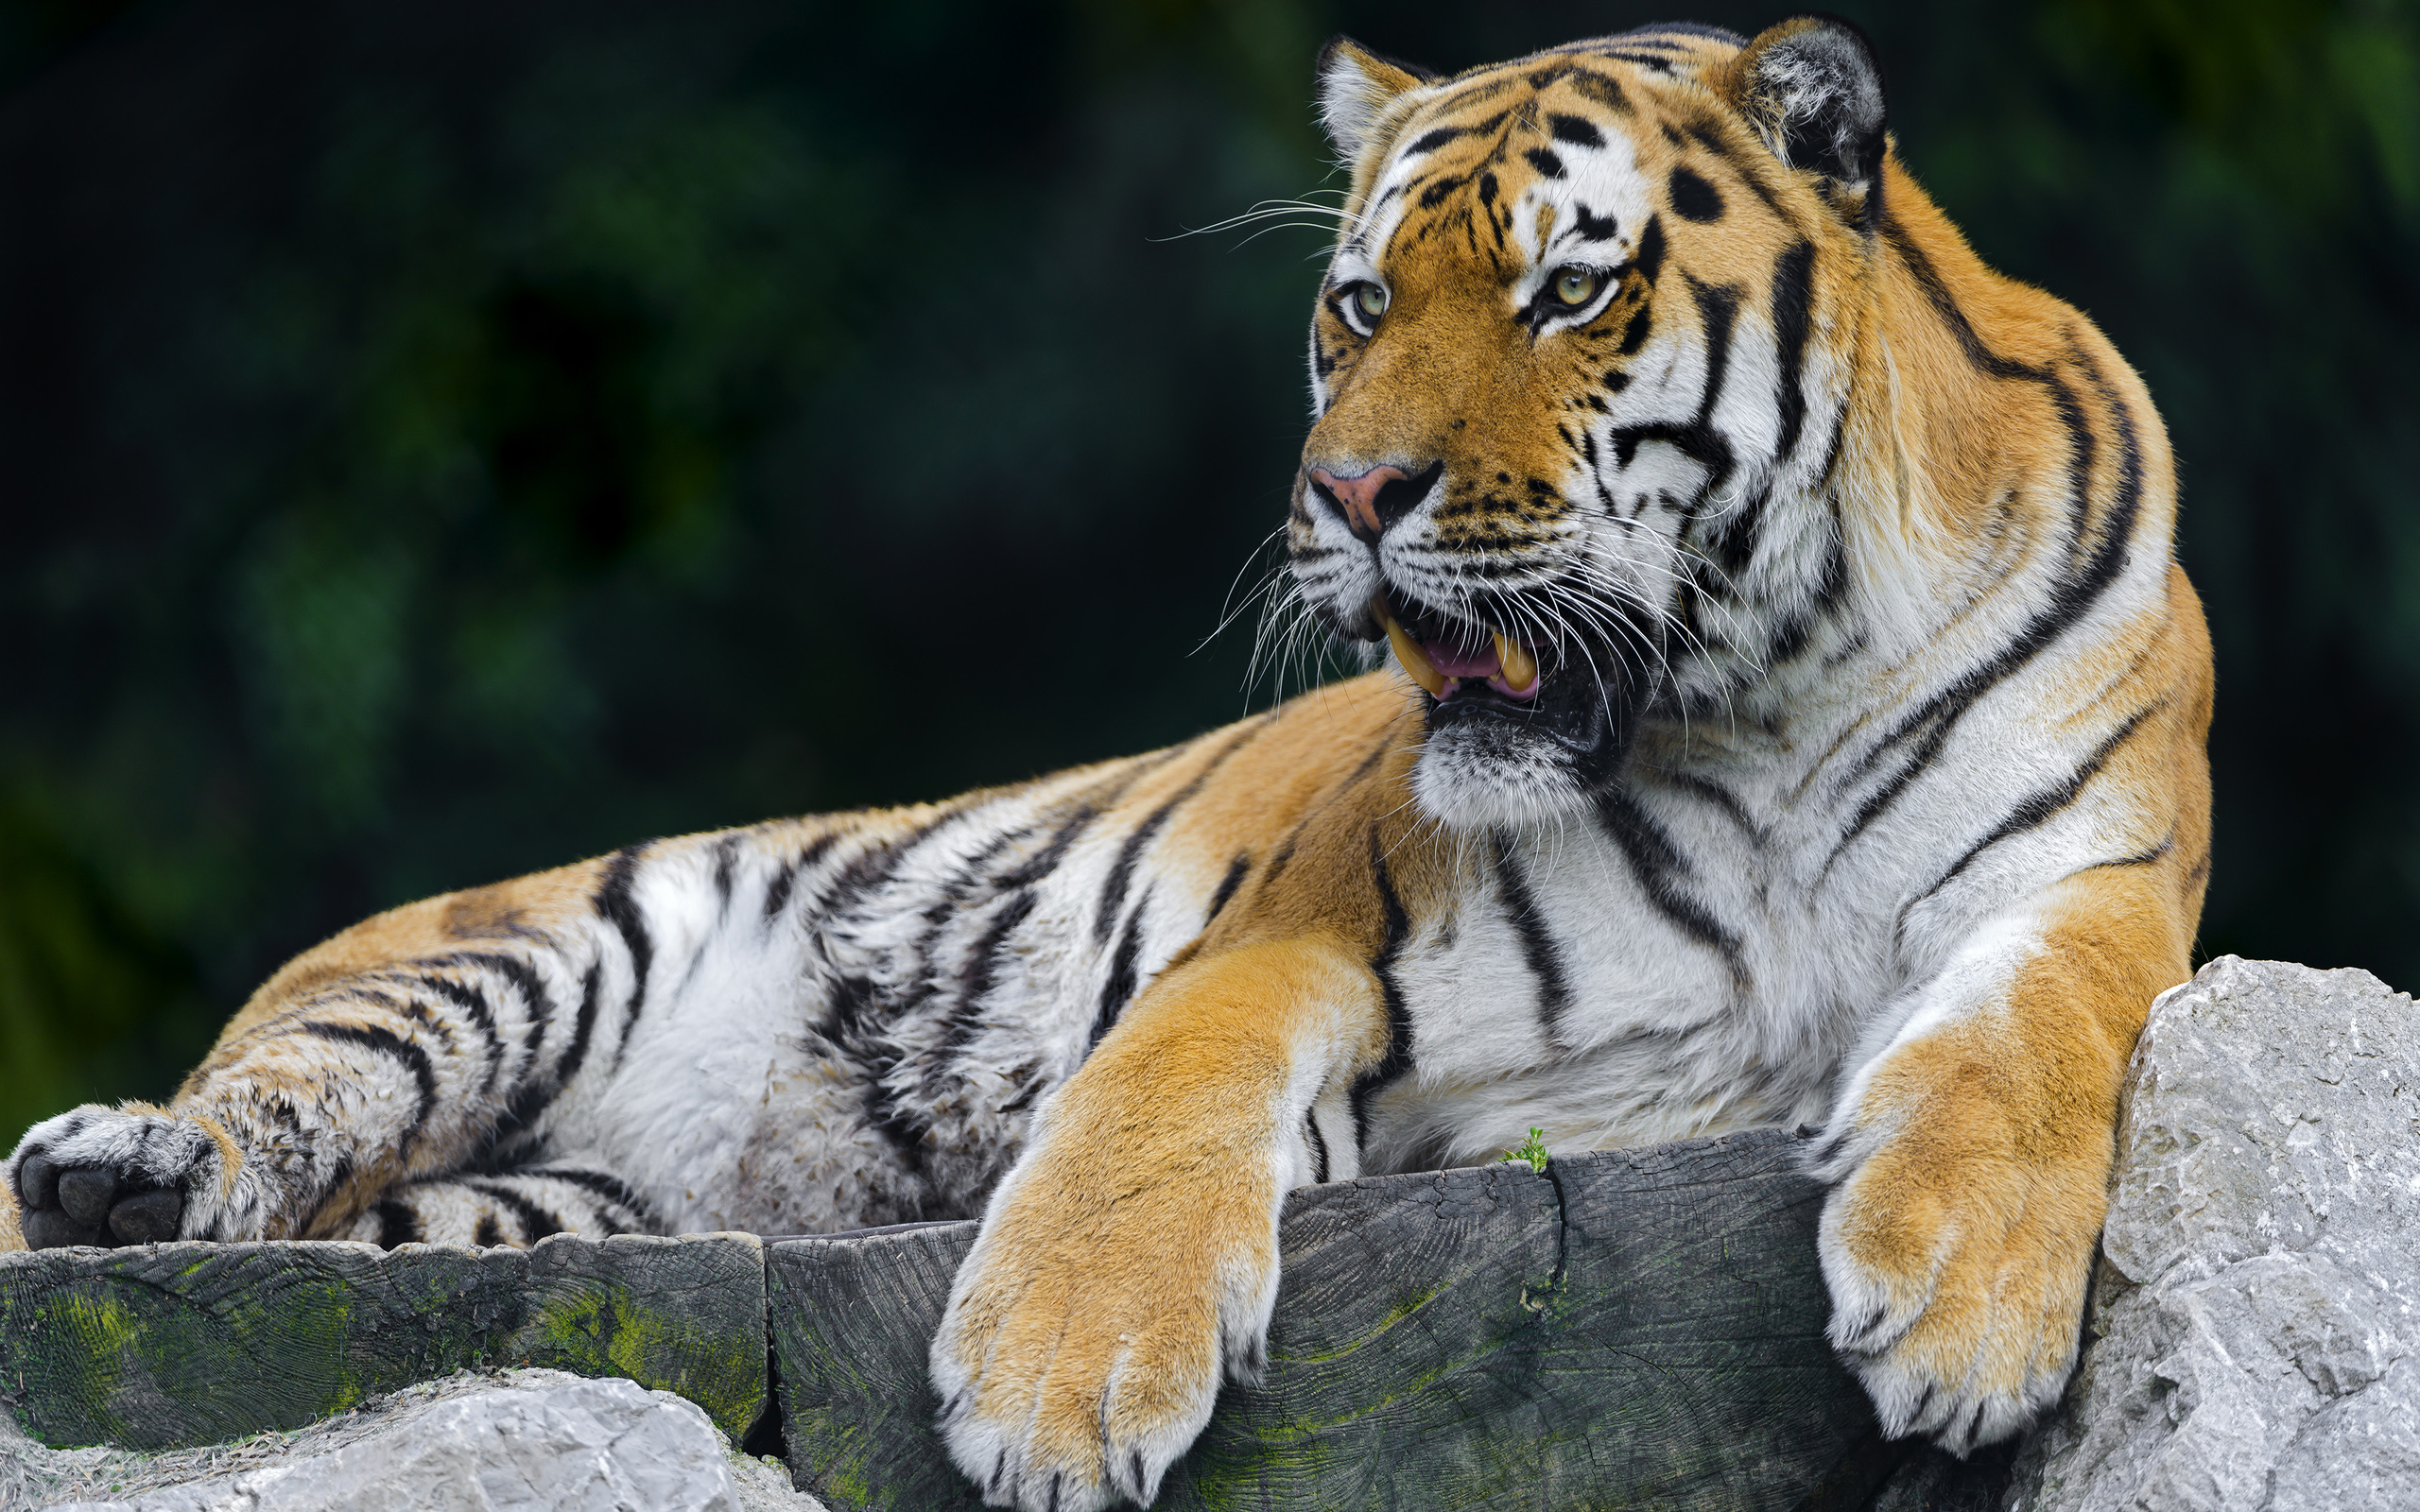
{"x": 167, "y": 1346}
{"x": 1634, "y": 1327}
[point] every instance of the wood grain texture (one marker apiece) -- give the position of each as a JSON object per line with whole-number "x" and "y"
{"x": 1639, "y": 1328}
{"x": 168, "y": 1346}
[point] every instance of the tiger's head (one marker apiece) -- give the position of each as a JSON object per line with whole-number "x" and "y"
{"x": 1579, "y": 369}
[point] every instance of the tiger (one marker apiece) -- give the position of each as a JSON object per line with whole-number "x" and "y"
{"x": 1783, "y": 707}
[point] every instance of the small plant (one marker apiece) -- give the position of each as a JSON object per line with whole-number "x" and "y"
{"x": 1533, "y": 1149}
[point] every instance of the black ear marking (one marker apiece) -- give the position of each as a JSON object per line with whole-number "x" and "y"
{"x": 1812, "y": 88}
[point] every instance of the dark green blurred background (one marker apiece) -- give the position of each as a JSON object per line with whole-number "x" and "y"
{"x": 444, "y": 439}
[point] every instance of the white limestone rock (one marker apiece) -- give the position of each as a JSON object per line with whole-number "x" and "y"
{"x": 514, "y": 1442}
{"x": 2254, "y": 1331}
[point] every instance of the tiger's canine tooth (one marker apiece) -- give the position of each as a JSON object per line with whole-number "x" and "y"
{"x": 1519, "y": 663}
{"x": 1414, "y": 661}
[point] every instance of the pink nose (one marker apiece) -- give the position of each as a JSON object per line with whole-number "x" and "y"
{"x": 1356, "y": 498}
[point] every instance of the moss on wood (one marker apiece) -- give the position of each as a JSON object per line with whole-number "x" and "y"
{"x": 168, "y": 1346}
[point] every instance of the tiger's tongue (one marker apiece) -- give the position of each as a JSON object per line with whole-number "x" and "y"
{"x": 1458, "y": 663}
{"x": 1443, "y": 666}
{"x": 1483, "y": 664}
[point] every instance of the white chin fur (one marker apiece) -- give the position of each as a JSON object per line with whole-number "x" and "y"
{"x": 1475, "y": 778}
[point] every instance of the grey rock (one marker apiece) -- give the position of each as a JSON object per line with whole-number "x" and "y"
{"x": 516, "y": 1441}
{"x": 2254, "y": 1327}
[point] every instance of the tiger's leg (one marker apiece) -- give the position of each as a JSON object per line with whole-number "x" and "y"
{"x": 418, "y": 1044}
{"x": 1970, "y": 1158}
{"x": 518, "y": 1207}
{"x": 1132, "y": 1251}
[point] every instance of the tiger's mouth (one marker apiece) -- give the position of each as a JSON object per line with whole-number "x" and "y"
{"x": 1443, "y": 654}
{"x": 1482, "y": 681}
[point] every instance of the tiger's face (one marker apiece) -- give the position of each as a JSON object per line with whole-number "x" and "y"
{"x": 1564, "y": 367}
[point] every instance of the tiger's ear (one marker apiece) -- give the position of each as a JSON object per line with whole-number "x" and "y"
{"x": 1812, "y": 89}
{"x": 1355, "y": 87}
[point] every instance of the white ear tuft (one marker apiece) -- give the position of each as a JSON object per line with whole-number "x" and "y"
{"x": 1355, "y": 87}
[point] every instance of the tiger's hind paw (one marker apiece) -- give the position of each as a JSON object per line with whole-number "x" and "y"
{"x": 132, "y": 1175}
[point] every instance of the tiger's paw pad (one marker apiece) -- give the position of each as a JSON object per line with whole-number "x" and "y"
{"x": 104, "y": 1178}
{"x": 1962, "y": 1327}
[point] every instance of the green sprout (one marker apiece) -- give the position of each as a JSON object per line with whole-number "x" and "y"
{"x": 1533, "y": 1149}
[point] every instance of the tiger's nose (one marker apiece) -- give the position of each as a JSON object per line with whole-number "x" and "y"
{"x": 1370, "y": 502}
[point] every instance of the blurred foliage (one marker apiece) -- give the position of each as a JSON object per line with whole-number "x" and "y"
{"x": 445, "y": 441}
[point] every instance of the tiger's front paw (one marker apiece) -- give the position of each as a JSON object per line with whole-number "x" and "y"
{"x": 1958, "y": 1270}
{"x": 132, "y": 1175}
{"x": 1087, "y": 1331}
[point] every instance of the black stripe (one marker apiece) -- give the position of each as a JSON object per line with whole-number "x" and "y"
{"x": 1576, "y": 130}
{"x": 951, "y": 903}
{"x": 409, "y": 1006}
{"x": 489, "y": 1233}
{"x": 536, "y": 1001}
{"x": 1537, "y": 946}
{"x": 536, "y": 1222}
{"x": 1396, "y": 929}
{"x": 975, "y": 979}
{"x": 1718, "y": 795}
{"x": 854, "y": 1000}
{"x": 1369, "y": 763}
{"x": 1119, "y": 989}
{"x": 876, "y": 864}
{"x": 2145, "y": 858}
{"x": 849, "y": 1018}
{"x": 1649, "y": 259}
{"x": 1946, "y": 305}
{"x": 725, "y": 849}
{"x": 386, "y": 1041}
{"x": 2038, "y": 808}
{"x": 1285, "y": 856}
{"x": 1696, "y": 439}
{"x": 1659, "y": 868}
{"x": 582, "y": 1028}
{"x": 1718, "y": 308}
{"x": 614, "y": 903}
{"x": 2070, "y": 600}
{"x": 473, "y": 1003}
{"x": 904, "y": 1128}
{"x": 396, "y": 1224}
{"x": 1319, "y": 1147}
{"x": 1794, "y": 633}
{"x": 2080, "y": 438}
{"x": 1121, "y": 871}
{"x": 1708, "y": 138}
{"x": 777, "y": 892}
{"x": 339, "y": 1175}
{"x": 1792, "y": 296}
{"x": 612, "y": 1187}
{"x": 1227, "y": 886}
{"x": 535, "y": 1096}
{"x": 1603, "y": 89}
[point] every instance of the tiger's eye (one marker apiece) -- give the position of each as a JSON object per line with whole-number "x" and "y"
{"x": 1372, "y": 298}
{"x": 1575, "y": 285}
